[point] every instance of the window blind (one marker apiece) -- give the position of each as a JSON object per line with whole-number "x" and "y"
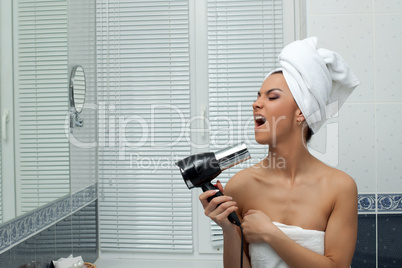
{"x": 41, "y": 102}
{"x": 244, "y": 39}
{"x": 144, "y": 103}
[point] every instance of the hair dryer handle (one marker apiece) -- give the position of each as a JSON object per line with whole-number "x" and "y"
{"x": 232, "y": 216}
{"x": 208, "y": 186}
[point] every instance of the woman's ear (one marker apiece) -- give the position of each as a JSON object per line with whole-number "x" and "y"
{"x": 299, "y": 116}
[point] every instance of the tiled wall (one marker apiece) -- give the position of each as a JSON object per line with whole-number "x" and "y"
{"x": 368, "y": 35}
{"x": 379, "y": 232}
{"x": 388, "y": 242}
{"x": 76, "y": 234}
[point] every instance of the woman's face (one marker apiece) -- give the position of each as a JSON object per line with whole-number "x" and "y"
{"x": 274, "y": 111}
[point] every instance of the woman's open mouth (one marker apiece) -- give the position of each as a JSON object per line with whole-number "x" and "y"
{"x": 259, "y": 120}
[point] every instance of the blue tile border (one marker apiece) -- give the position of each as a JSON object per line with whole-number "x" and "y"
{"x": 384, "y": 203}
{"x": 21, "y": 228}
{"x": 366, "y": 202}
{"x": 389, "y": 202}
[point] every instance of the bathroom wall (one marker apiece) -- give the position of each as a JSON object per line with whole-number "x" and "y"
{"x": 76, "y": 234}
{"x": 68, "y": 225}
{"x": 368, "y": 141}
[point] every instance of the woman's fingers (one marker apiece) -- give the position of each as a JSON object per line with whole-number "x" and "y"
{"x": 220, "y": 214}
{"x": 219, "y": 208}
{"x": 219, "y": 205}
{"x": 219, "y": 185}
{"x": 205, "y": 195}
{"x": 223, "y": 211}
{"x": 249, "y": 212}
{"x": 215, "y": 202}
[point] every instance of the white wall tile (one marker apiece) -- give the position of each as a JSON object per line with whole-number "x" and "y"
{"x": 339, "y": 6}
{"x": 389, "y": 147}
{"x": 324, "y": 145}
{"x": 387, "y": 5}
{"x": 357, "y": 144}
{"x": 347, "y": 142}
{"x": 368, "y": 34}
{"x": 388, "y": 56}
{"x": 352, "y": 37}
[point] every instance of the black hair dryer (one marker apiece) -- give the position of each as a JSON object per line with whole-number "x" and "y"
{"x": 200, "y": 169}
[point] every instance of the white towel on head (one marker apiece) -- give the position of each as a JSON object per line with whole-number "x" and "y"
{"x": 320, "y": 80}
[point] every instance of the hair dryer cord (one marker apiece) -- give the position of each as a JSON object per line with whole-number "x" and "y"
{"x": 241, "y": 247}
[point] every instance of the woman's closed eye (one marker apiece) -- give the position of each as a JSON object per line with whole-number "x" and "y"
{"x": 273, "y": 97}
{"x": 270, "y": 94}
{"x": 273, "y": 93}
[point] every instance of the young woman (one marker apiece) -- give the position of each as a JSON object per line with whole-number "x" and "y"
{"x": 301, "y": 213}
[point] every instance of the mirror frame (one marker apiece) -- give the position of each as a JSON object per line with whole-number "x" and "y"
{"x": 75, "y": 120}
{"x": 72, "y": 87}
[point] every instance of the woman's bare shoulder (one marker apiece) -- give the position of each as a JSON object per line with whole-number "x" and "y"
{"x": 241, "y": 180}
{"x": 340, "y": 181}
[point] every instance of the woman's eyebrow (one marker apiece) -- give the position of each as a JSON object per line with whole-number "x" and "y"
{"x": 272, "y": 89}
{"x": 269, "y": 91}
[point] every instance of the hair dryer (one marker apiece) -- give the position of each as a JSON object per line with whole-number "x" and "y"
{"x": 200, "y": 169}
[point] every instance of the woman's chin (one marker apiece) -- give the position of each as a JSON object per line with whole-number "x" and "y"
{"x": 266, "y": 138}
{"x": 262, "y": 139}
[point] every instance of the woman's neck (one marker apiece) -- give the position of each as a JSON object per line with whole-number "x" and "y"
{"x": 289, "y": 159}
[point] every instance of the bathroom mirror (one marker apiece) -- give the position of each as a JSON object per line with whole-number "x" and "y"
{"x": 77, "y": 88}
{"x": 34, "y": 68}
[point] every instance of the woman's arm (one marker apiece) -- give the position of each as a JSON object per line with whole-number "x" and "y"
{"x": 218, "y": 210}
{"x": 340, "y": 234}
{"x": 232, "y": 248}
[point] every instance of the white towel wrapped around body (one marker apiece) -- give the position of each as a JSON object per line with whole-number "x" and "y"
{"x": 263, "y": 256}
{"x": 320, "y": 79}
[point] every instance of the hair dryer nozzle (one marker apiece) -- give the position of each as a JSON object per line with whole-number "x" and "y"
{"x": 232, "y": 156}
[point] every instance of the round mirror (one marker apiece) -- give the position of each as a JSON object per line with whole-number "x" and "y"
{"x": 77, "y": 88}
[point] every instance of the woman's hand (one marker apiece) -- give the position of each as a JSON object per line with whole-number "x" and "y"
{"x": 219, "y": 208}
{"x": 257, "y": 226}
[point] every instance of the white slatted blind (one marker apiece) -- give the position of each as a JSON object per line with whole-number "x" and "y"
{"x": 41, "y": 102}
{"x": 244, "y": 39}
{"x": 144, "y": 100}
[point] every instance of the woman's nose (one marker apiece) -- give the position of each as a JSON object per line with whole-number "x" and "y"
{"x": 257, "y": 104}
